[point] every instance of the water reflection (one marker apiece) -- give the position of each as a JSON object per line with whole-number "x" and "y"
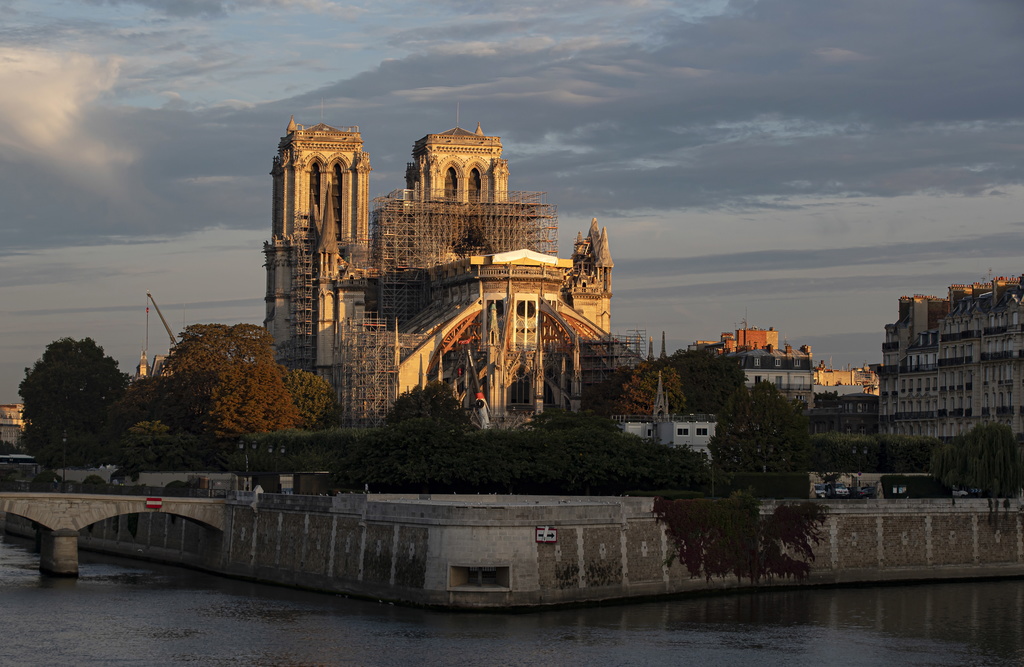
{"x": 135, "y": 613}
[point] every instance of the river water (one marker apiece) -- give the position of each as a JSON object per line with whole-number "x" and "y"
{"x": 123, "y": 612}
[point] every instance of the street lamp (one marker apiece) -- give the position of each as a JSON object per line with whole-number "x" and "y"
{"x": 64, "y": 445}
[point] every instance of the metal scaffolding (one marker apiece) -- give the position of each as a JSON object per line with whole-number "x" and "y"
{"x": 302, "y": 350}
{"x": 367, "y": 373}
{"x": 411, "y": 233}
{"x": 601, "y": 357}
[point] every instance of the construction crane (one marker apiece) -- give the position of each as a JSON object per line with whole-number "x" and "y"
{"x": 170, "y": 334}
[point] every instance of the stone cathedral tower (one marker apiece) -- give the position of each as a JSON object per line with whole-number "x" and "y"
{"x": 321, "y": 179}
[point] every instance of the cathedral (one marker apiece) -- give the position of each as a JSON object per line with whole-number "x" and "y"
{"x": 454, "y": 278}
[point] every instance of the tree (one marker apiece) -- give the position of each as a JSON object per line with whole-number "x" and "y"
{"x": 708, "y": 380}
{"x": 148, "y": 446}
{"x": 251, "y": 399}
{"x": 761, "y": 430}
{"x": 554, "y": 419}
{"x": 730, "y": 536}
{"x": 834, "y": 453}
{"x": 314, "y": 398}
{"x": 221, "y": 380}
{"x": 434, "y": 401}
{"x": 66, "y": 394}
{"x": 987, "y": 457}
{"x": 641, "y": 390}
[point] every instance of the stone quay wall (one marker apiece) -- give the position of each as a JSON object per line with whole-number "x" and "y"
{"x": 482, "y": 551}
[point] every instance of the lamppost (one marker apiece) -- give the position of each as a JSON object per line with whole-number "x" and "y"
{"x": 270, "y": 450}
{"x": 859, "y": 461}
{"x": 64, "y": 446}
{"x": 277, "y": 466}
{"x": 245, "y": 452}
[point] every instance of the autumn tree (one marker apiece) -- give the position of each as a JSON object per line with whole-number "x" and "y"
{"x": 702, "y": 383}
{"x": 314, "y": 398}
{"x": 251, "y": 398}
{"x": 66, "y": 394}
{"x": 222, "y": 380}
{"x": 760, "y": 430}
{"x": 640, "y": 391}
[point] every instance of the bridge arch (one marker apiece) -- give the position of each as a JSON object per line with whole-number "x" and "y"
{"x": 74, "y": 512}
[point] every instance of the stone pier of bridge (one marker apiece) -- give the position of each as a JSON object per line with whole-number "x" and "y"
{"x": 64, "y": 514}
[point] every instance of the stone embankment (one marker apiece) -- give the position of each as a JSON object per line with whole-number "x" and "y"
{"x": 524, "y": 551}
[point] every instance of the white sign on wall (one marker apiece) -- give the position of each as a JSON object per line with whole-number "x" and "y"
{"x": 547, "y": 534}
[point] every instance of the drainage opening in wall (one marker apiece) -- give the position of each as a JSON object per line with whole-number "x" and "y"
{"x": 478, "y": 577}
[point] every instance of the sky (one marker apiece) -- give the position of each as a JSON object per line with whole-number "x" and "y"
{"x": 794, "y": 164}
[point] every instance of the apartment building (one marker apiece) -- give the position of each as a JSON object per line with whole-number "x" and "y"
{"x": 951, "y": 363}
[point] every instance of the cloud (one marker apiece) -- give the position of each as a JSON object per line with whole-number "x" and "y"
{"x": 985, "y": 245}
{"x": 46, "y": 95}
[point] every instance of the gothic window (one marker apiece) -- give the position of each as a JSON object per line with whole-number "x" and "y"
{"x": 519, "y": 391}
{"x": 314, "y": 190}
{"x": 451, "y": 183}
{"x": 339, "y": 178}
{"x": 474, "y": 185}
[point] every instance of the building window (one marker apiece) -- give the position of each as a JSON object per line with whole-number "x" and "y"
{"x": 682, "y": 431}
{"x": 757, "y": 361}
{"x": 778, "y": 362}
{"x": 702, "y": 431}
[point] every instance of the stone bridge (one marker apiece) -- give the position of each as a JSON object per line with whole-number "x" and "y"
{"x": 64, "y": 514}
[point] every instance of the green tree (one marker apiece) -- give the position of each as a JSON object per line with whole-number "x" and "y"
{"x": 434, "y": 401}
{"x": 148, "y": 446}
{"x": 554, "y": 419}
{"x": 708, "y": 380}
{"x": 834, "y": 453}
{"x": 987, "y": 457}
{"x": 761, "y": 430}
{"x": 66, "y": 394}
{"x": 314, "y": 398}
{"x": 602, "y": 398}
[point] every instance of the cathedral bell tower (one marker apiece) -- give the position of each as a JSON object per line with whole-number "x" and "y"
{"x": 458, "y": 165}
{"x": 321, "y": 180}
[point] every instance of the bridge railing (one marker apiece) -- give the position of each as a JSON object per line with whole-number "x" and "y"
{"x": 112, "y": 490}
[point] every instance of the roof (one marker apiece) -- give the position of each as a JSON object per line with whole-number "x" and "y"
{"x": 513, "y": 255}
{"x": 456, "y": 132}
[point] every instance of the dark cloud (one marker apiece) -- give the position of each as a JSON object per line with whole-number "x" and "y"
{"x": 774, "y": 289}
{"x": 896, "y": 253}
{"x": 764, "y": 106}
{"x": 176, "y": 8}
{"x": 198, "y": 305}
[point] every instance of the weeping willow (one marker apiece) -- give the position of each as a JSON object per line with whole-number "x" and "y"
{"x": 987, "y": 457}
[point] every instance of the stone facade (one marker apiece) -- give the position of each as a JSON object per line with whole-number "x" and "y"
{"x": 951, "y": 363}
{"x": 451, "y": 551}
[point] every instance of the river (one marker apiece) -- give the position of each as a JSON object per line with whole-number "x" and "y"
{"x": 123, "y": 612}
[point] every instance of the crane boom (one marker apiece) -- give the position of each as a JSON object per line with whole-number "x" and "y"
{"x": 170, "y": 334}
